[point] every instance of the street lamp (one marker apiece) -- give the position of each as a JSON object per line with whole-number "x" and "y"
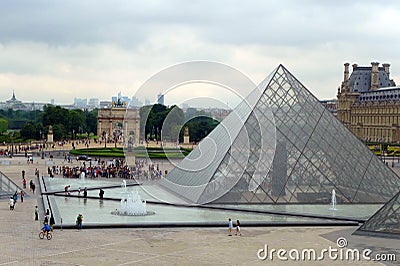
{"x": 40, "y": 138}
{"x": 12, "y": 143}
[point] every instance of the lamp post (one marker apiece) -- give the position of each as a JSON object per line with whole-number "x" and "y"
{"x": 12, "y": 143}
{"x": 40, "y": 138}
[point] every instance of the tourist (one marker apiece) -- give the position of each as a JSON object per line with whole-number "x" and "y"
{"x": 23, "y": 174}
{"x": 46, "y": 219}
{"x": 230, "y": 227}
{"x": 79, "y": 191}
{"x": 22, "y": 196}
{"x": 52, "y": 222}
{"x": 30, "y": 185}
{"x": 85, "y": 193}
{"x": 46, "y": 229}
{"x": 66, "y": 189}
{"x": 24, "y": 183}
{"x": 36, "y": 213}
{"x": 15, "y": 197}
{"x": 33, "y": 188}
{"x": 11, "y": 204}
{"x": 101, "y": 193}
{"x": 79, "y": 221}
{"x": 238, "y": 228}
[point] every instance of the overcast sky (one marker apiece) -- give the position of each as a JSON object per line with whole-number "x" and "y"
{"x": 94, "y": 49}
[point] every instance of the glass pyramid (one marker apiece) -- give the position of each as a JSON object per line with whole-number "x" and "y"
{"x": 280, "y": 145}
{"x": 386, "y": 221}
{"x": 7, "y": 187}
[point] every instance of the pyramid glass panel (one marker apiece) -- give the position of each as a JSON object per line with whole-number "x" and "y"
{"x": 385, "y": 221}
{"x": 282, "y": 146}
{"x": 7, "y": 187}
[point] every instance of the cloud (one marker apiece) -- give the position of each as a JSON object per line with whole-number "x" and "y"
{"x": 66, "y": 49}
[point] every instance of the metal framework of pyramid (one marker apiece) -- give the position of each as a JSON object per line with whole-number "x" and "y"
{"x": 7, "y": 187}
{"x": 385, "y": 222}
{"x": 281, "y": 145}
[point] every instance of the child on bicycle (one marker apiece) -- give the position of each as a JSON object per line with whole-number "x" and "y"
{"x": 46, "y": 228}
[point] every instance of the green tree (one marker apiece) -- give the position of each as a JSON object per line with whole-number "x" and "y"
{"x": 27, "y": 131}
{"x": 91, "y": 121}
{"x": 53, "y": 115}
{"x": 77, "y": 121}
{"x": 172, "y": 123}
{"x": 59, "y": 131}
{"x": 3, "y": 125}
{"x": 155, "y": 117}
{"x": 199, "y": 127}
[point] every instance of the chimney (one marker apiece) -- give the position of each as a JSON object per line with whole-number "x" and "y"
{"x": 387, "y": 68}
{"x": 355, "y": 66}
{"x": 374, "y": 76}
{"x": 346, "y": 72}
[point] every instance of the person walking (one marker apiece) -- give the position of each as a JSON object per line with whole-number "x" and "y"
{"x": 24, "y": 183}
{"x": 22, "y": 194}
{"x": 11, "y": 202}
{"x": 15, "y": 197}
{"x": 238, "y": 228}
{"x": 36, "y": 213}
{"x": 46, "y": 217}
{"x": 85, "y": 193}
{"x": 230, "y": 227}
{"x": 52, "y": 222}
{"x": 79, "y": 221}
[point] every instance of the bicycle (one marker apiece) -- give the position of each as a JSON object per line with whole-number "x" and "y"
{"x": 43, "y": 233}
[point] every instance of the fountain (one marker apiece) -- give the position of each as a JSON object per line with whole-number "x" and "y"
{"x": 333, "y": 200}
{"x": 131, "y": 204}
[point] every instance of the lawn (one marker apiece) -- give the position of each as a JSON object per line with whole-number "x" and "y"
{"x": 140, "y": 152}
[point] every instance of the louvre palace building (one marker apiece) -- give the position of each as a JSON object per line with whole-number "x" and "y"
{"x": 369, "y": 103}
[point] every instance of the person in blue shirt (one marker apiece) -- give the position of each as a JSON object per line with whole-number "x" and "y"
{"x": 46, "y": 228}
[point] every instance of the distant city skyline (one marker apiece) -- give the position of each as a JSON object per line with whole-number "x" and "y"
{"x": 65, "y": 50}
{"x": 84, "y": 103}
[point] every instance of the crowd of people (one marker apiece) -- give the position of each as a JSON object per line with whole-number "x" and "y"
{"x": 111, "y": 169}
{"x": 14, "y": 199}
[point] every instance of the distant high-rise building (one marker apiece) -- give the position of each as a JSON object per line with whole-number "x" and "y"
{"x": 146, "y": 102}
{"x": 94, "y": 103}
{"x": 80, "y": 103}
{"x": 135, "y": 102}
{"x": 184, "y": 106}
{"x": 160, "y": 98}
{"x": 52, "y": 102}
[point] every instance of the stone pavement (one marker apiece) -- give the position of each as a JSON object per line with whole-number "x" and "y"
{"x": 20, "y": 244}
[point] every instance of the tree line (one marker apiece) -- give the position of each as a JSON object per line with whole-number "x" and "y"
{"x": 158, "y": 122}
{"x": 34, "y": 125}
{"x": 162, "y": 123}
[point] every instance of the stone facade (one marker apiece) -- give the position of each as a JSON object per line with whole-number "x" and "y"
{"x": 113, "y": 123}
{"x": 369, "y": 103}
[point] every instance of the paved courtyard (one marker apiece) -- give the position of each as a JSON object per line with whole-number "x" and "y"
{"x": 20, "y": 244}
